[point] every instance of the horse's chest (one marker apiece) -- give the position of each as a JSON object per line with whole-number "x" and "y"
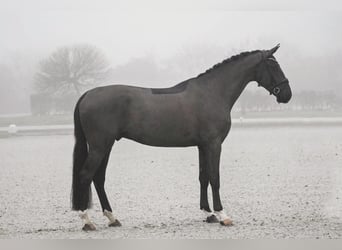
{"x": 214, "y": 128}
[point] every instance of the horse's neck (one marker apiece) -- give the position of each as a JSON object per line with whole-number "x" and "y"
{"x": 232, "y": 88}
{"x": 230, "y": 80}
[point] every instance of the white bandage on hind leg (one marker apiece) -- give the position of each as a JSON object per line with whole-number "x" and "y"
{"x": 207, "y": 214}
{"x": 221, "y": 215}
{"x": 109, "y": 215}
{"x": 84, "y": 216}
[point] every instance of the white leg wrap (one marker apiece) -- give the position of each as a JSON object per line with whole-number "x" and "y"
{"x": 221, "y": 215}
{"x": 206, "y": 213}
{"x": 84, "y": 216}
{"x": 109, "y": 215}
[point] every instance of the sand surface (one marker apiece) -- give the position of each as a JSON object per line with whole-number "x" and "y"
{"x": 275, "y": 183}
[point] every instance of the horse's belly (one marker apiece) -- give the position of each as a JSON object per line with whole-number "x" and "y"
{"x": 162, "y": 143}
{"x": 161, "y": 138}
{"x": 158, "y": 120}
{"x": 162, "y": 133}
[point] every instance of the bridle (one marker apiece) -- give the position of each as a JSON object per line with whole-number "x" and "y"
{"x": 274, "y": 89}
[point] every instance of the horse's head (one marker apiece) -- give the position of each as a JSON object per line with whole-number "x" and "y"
{"x": 269, "y": 75}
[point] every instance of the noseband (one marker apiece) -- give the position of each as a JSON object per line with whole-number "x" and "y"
{"x": 275, "y": 90}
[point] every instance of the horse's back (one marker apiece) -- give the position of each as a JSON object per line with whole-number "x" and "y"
{"x": 139, "y": 114}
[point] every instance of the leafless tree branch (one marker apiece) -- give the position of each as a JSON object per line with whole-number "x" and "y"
{"x": 72, "y": 70}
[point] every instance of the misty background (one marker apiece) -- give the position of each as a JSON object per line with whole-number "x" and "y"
{"x": 159, "y": 47}
{"x": 280, "y": 169}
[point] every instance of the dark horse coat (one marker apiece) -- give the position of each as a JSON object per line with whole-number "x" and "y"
{"x": 195, "y": 112}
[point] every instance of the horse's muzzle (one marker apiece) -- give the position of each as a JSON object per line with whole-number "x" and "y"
{"x": 284, "y": 96}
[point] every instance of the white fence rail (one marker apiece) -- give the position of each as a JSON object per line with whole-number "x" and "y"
{"x": 236, "y": 123}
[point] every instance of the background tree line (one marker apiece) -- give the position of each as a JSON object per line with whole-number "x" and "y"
{"x": 69, "y": 71}
{"x": 255, "y": 101}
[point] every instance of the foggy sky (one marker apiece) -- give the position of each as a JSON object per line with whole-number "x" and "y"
{"x": 123, "y": 33}
{"x": 31, "y": 30}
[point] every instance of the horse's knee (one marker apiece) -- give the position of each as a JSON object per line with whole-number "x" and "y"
{"x": 203, "y": 179}
{"x": 215, "y": 184}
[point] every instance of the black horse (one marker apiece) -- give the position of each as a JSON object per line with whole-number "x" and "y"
{"x": 195, "y": 112}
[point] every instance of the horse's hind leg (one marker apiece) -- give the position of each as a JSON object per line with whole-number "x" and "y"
{"x": 91, "y": 165}
{"x": 99, "y": 180}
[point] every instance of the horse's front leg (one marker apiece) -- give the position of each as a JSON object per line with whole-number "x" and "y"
{"x": 212, "y": 156}
{"x": 204, "y": 182}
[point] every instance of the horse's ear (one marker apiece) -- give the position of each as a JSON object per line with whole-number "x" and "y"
{"x": 268, "y": 53}
{"x": 273, "y": 50}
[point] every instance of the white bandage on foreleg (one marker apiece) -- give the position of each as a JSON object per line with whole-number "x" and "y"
{"x": 221, "y": 215}
{"x": 84, "y": 216}
{"x": 109, "y": 215}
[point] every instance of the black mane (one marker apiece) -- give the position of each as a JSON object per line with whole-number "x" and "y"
{"x": 228, "y": 60}
{"x": 180, "y": 87}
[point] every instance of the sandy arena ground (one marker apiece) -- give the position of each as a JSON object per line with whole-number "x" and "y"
{"x": 275, "y": 183}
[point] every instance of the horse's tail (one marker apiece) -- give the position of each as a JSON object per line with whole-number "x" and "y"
{"x": 79, "y": 157}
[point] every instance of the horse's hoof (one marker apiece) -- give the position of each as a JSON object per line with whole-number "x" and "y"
{"x": 226, "y": 222}
{"x": 212, "y": 219}
{"x": 88, "y": 227}
{"x": 116, "y": 223}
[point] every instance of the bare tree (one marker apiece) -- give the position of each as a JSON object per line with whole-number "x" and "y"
{"x": 71, "y": 70}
